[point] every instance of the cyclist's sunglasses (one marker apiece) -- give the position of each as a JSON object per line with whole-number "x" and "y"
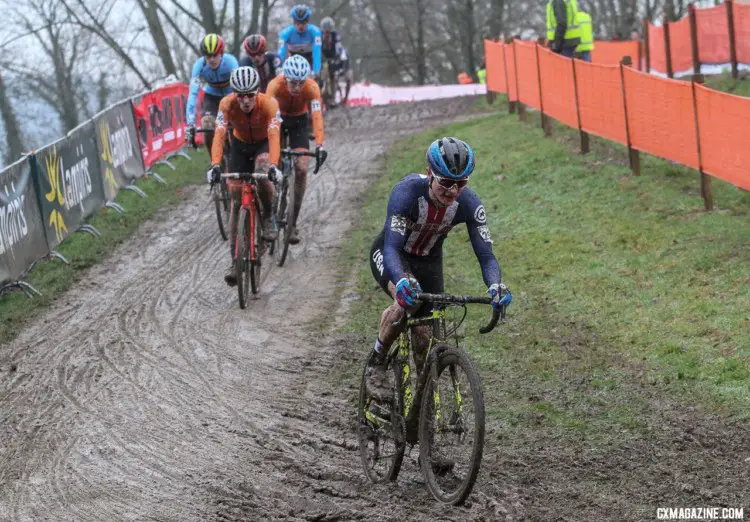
{"x": 248, "y": 96}
{"x": 448, "y": 183}
{"x": 295, "y": 83}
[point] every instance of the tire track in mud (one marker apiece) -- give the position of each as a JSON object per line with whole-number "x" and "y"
{"x": 146, "y": 393}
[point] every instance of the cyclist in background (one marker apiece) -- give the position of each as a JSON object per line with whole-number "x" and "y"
{"x": 407, "y": 255}
{"x": 334, "y": 53}
{"x": 295, "y": 91}
{"x": 302, "y": 38}
{"x": 214, "y": 68}
{"x": 255, "y": 121}
{"x": 257, "y": 56}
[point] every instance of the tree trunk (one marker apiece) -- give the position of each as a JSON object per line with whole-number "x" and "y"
{"x": 236, "y": 32}
{"x": 264, "y": 19}
{"x": 157, "y": 33}
{"x": 66, "y": 106}
{"x": 254, "y": 21}
{"x": 208, "y": 15}
{"x": 13, "y": 137}
{"x": 496, "y": 22}
{"x": 102, "y": 92}
{"x": 420, "y": 50}
{"x": 471, "y": 33}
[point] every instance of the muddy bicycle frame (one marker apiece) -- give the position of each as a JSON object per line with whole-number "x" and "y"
{"x": 250, "y": 199}
{"x": 400, "y": 352}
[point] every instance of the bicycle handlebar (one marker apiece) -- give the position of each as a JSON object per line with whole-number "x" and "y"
{"x": 245, "y": 176}
{"x": 464, "y": 299}
{"x": 308, "y": 153}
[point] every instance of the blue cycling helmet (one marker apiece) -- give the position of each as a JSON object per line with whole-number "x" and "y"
{"x": 301, "y": 13}
{"x": 450, "y": 158}
{"x": 296, "y": 68}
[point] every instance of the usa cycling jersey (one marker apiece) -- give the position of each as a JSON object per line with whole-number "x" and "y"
{"x": 415, "y": 225}
{"x": 216, "y": 82}
{"x": 268, "y": 71}
{"x": 308, "y": 44}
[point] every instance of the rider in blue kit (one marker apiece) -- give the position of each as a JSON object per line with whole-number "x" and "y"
{"x": 407, "y": 257}
{"x": 302, "y": 38}
{"x": 214, "y": 68}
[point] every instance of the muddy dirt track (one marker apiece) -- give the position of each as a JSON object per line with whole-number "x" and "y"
{"x": 146, "y": 394}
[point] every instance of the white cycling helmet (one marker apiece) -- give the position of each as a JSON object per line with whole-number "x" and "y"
{"x": 296, "y": 68}
{"x": 245, "y": 80}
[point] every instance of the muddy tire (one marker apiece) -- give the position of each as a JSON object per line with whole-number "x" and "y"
{"x": 451, "y": 431}
{"x": 284, "y": 214}
{"x": 242, "y": 266}
{"x": 255, "y": 263}
{"x": 381, "y": 444}
{"x": 221, "y": 202}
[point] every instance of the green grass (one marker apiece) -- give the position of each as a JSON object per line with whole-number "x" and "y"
{"x": 52, "y": 278}
{"x": 627, "y": 295}
{"x": 725, "y": 83}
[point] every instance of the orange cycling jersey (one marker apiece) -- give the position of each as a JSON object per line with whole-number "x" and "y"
{"x": 262, "y": 123}
{"x": 297, "y": 105}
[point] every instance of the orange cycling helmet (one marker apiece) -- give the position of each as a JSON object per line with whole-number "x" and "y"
{"x": 255, "y": 44}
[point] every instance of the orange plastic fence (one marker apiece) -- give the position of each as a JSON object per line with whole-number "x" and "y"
{"x": 661, "y": 117}
{"x": 742, "y": 31}
{"x": 713, "y": 34}
{"x": 510, "y": 71}
{"x": 680, "y": 46}
{"x": 610, "y": 53}
{"x": 528, "y": 76}
{"x": 494, "y": 55}
{"x": 558, "y": 88}
{"x": 724, "y": 122}
{"x": 656, "y": 51}
{"x": 600, "y": 100}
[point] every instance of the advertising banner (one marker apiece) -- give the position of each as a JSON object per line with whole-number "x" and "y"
{"x": 160, "y": 120}
{"x": 372, "y": 94}
{"x": 70, "y": 187}
{"x": 22, "y": 239}
{"x": 119, "y": 151}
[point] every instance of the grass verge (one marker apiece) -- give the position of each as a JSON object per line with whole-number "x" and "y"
{"x": 53, "y": 278}
{"x": 628, "y": 295}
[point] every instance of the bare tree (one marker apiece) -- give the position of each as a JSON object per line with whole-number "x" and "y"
{"x": 150, "y": 12}
{"x": 13, "y": 137}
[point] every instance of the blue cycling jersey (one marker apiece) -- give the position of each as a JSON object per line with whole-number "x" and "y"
{"x": 216, "y": 82}
{"x": 416, "y": 226}
{"x": 308, "y": 44}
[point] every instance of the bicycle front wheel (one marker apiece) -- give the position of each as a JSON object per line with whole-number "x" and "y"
{"x": 257, "y": 251}
{"x": 242, "y": 262}
{"x": 285, "y": 215}
{"x": 381, "y": 430}
{"x": 451, "y": 426}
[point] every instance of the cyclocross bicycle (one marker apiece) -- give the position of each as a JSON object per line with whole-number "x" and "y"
{"x": 284, "y": 201}
{"x": 250, "y": 245}
{"x": 220, "y": 191}
{"x": 441, "y": 408}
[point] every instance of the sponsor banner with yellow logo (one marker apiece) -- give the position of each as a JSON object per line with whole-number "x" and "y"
{"x": 119, "y": 151}
{"x": 70, "y": 184}
{"x": 22, "y": 239}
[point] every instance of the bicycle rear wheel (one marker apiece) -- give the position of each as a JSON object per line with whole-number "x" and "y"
{"x": 255, "y": 258}
{"x": 285, "y": 214}
{"x": 381, "y": 430}
{"x": 451, "y": 426}
{"x": 242, "y": 263}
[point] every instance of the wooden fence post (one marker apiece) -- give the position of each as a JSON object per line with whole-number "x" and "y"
{"x": 706, "y": 191}
{"x": 732, "y": 39}
{"x": 668, "y": 49}
{"x": 633, "y": 154}
{"x": 645, "y": 43}
{"x": 640, "y": 55}
{"x": 546, "y": 124}
{"x": 511, "y": 104}
{"x": 694, "y": 38}
{"x": 519, "y": 104}
{"x": 583, "y": 135}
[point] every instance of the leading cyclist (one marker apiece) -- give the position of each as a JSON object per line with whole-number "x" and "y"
{"x": 256, "y": 122}
{"x": 407, "y": 256}
{"x": 214, "y": 68}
